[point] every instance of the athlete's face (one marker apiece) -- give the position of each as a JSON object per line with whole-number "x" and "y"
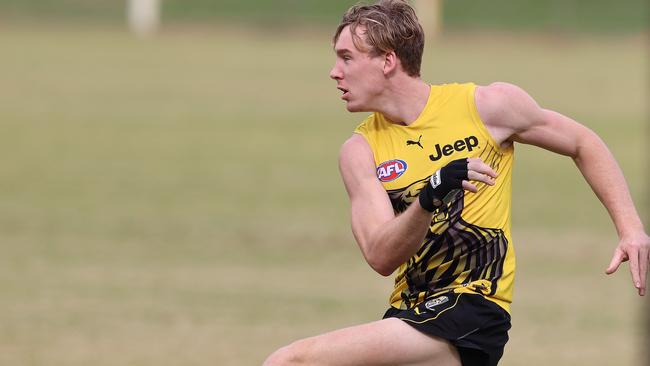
{"x": 358, "y": 74}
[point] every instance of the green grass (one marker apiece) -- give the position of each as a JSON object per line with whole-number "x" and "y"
{"x": 556, "y": 15}
{"x": 177, "y": 201}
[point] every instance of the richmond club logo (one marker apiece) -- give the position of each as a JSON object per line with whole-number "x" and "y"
{"x": 431, "y": 304}
{"x": 391, "y": 170}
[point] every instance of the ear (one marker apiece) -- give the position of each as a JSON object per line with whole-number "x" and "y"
{"x": 390, "y": 62}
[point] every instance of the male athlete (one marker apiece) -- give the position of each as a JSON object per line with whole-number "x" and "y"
{"x": 429, "y": 180}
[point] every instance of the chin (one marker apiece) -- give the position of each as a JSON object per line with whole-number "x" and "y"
{"x": 352, "y": 107}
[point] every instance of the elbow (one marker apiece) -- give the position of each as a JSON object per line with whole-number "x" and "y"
{"x": 381, "y": 266}
{"x": 588, "y": 145}
{"x": 378, "y": 256}
{"x": 383, "y": 270}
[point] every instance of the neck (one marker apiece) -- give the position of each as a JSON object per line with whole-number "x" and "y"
{"x": 403, "y": 100}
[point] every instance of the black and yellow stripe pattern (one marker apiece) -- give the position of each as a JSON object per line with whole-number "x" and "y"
{"x": 468, "y": 247}
{"x": 454, "y": 253}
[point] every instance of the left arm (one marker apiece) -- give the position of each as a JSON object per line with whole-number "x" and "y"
{"x": 511, "y": 115}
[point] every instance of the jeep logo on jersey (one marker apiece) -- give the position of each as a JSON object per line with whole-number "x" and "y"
{"x": 391, "y": 170}
{"x": 468, "y": 143}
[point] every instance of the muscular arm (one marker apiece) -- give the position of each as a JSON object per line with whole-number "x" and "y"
{"x": 512, "y": 115}
{"x": 386, "y": 240}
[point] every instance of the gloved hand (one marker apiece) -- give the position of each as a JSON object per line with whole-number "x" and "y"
{"x": 455, "y": 175}
{"x": 443, "y": 181}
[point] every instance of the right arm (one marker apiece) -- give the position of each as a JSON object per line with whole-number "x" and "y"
{"x": 387, "y": 240}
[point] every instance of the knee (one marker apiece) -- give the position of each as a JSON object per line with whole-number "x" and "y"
{"x": 292, "y": 355}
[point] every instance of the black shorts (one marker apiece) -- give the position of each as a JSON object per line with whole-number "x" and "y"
{"x": 477, "y": 327}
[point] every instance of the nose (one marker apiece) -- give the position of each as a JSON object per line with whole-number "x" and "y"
{"x": 335, "y": 73}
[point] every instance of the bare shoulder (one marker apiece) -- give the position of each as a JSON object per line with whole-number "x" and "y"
{"x": 497, "y": 93}
{"x": 503, "y": 103}
{"x": 505, "y": 109}
{"x": 356, "y": 164}
{"x": 355, "y": 150}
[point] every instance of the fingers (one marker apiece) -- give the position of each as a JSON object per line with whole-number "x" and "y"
{"x": 634, "y": 269}
{"x": 469, "y": 187}
{"x": 618, "y": 258}
{"x": 477, "y": 165}
{"x": 479, "y": 177}
{"x": 478, "y": 171}
{"x": 643, "y": 270}
{"x": 637, "y": 251}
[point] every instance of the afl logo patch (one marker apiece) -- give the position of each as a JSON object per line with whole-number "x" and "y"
{"x": 391, "y": 170}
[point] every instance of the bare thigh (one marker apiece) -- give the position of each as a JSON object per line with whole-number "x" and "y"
{"x": 385, "y": 342}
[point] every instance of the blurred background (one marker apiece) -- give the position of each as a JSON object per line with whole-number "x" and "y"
{"x": 169, "y": 191}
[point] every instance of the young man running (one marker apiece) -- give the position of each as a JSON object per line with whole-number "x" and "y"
{"x": 429, "y": 180}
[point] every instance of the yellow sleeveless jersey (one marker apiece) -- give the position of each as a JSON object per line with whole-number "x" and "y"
{"x": 468, "y": 247}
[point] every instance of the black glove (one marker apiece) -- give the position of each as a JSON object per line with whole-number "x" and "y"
{"x": 442, "y": 182}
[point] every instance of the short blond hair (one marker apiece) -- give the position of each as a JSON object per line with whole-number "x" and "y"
{"x": 389, "y": 25}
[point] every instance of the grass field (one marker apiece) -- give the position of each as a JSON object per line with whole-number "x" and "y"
{"x": 576, "y": 15}
{"x": 177, "y": 202}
